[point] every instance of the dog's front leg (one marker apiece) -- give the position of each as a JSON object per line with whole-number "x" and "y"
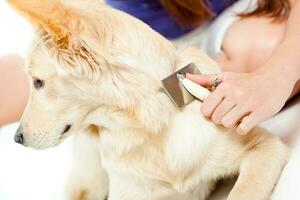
{"x": 88, "y": 180}
{"x": 259, "y": 170}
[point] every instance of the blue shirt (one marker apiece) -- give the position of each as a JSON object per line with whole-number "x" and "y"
{"x": 154, "y": 14}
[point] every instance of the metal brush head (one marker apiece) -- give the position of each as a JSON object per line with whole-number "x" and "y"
{"x": 174, "y": 89}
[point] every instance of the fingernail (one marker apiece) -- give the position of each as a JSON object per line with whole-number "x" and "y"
{"x": 205, "y": 112}
{"x": 241, "y": 130}
{"x": 225, "y": 123}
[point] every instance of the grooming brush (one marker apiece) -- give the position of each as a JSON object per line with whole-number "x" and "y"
{"x": 183, "y": 91}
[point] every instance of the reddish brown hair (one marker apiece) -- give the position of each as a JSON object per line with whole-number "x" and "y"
{"x": 188, "y": 12}
{"x": 279, "y": 10}
{"x": 195, "y": 12}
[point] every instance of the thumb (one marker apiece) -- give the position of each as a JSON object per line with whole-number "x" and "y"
{"x": 203, "y": 80}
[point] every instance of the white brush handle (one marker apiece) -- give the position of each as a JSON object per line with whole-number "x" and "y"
{"x": 195, "y": 89}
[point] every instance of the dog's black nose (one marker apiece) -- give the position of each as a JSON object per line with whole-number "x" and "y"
{"x": 19, "y": 138}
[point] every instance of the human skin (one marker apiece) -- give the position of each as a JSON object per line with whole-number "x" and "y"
{"x": 270, "y": 54}
{"x": 13, "y": 89}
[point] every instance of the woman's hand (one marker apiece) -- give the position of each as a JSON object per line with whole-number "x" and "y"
{"x": 244, "y": 100}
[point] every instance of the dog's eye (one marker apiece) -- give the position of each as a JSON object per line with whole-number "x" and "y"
{"x": 38, "y": 83}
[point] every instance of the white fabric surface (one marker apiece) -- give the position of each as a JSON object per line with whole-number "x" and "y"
{"x": 27, "y": 174}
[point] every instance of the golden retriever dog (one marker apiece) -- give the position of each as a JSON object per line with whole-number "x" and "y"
{"x": 96, "y": 73}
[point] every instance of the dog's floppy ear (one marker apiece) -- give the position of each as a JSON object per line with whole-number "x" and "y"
{"x": 49, "y": 15}
{"x": 71, "y": 31}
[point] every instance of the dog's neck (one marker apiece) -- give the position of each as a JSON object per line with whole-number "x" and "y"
{"x": 134, "y": 95}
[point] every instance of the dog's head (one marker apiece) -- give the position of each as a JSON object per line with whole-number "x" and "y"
{"x": 81, "y": 60}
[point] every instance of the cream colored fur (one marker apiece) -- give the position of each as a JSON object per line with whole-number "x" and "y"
{"x": 102, "y": 72}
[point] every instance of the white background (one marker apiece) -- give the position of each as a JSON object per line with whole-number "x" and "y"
{"x": 15, "y": 32}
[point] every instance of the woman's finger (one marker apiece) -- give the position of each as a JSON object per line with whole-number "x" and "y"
{"x": 205, "y": 80}
{"x": 212, "y": 101}
{"x": 248, "y": 123}
{"x": 222, "y": 109}
{"x": 235, "y": 116}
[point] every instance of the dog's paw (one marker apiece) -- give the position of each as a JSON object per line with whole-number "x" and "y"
{"x": 84, "y": 194}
